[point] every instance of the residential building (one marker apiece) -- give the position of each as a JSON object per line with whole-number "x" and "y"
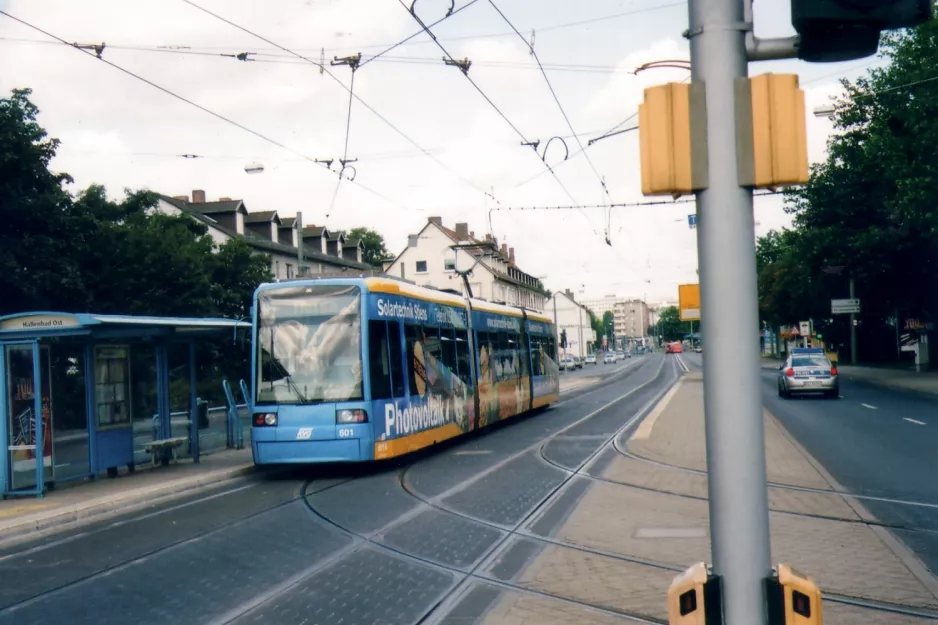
{"x": 601, "y": 306}
{"x": 324, "y": 252}
{"x": 572, "y": 317}
{"x": 631, "y": 319}
{"x": 431, "y": 260}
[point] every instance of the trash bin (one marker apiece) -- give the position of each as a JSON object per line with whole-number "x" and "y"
{"x": 201, "y": 409}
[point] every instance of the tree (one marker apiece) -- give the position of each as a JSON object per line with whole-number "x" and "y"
{"x": 373, "y": 249}
{"x": 36, "y": 271}
{"x": 237, "y": 271}
{"x": 870, "y": 210}
{"x": 92, "y": 253}
{"x": 669, "y": 326}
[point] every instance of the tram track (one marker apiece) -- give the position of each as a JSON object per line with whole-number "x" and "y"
{"x": 465, "y": 576}
{"x": 14, "y": 551}
{"x": 476, "y": 572}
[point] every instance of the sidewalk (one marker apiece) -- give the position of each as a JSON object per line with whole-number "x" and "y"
{"x": 27, "y": 518}
{"x": 907, "y": 379}
{"x": 635, "y": 512}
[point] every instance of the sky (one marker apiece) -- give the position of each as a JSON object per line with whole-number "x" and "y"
{"x": 427, "y": 143}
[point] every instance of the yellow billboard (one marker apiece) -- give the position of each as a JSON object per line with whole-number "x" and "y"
{"x": 688, "y": 296}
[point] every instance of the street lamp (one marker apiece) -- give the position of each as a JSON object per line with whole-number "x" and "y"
{"x": 827, "y": 111}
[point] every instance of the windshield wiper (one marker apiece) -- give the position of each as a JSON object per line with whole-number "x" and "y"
{"x": 290, "y": 383}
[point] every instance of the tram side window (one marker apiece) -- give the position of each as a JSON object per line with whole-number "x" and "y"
{"x": 535, "y": 355}
{"x": 448, "y": 349}
{"x": 411, "y": 336}
{"x": 462, "y": 357}
{"x": 524, "y": 354}
{"x": 397, "y": 359}
{"x": 378, "y": 357}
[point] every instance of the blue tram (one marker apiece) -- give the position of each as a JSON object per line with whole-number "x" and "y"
{"x": 352, "y": 370}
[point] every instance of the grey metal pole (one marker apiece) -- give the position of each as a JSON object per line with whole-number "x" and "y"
{"x": 739, "y": 517}
{"x": 853, "y": 328}
{"x": 299, "y": 243}
{"x": 579, "y": 324}
{"x": 556, "y": 327}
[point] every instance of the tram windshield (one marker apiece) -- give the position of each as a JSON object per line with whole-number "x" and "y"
{"x": 309, "y": 345}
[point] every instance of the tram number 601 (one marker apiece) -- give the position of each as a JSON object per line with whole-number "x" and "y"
{"x": 346, "y": 432}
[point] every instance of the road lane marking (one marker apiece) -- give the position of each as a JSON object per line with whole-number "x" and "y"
{"x": 868, "y": 406}
{"x": 915, "y": 421}
{"x": 643, "y": 431}
{"x": 478, "y": 452}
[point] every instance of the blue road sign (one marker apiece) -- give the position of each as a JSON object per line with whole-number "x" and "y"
{"x": 692, "y": 221}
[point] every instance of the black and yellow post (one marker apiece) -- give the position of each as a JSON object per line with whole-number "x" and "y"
{"x": 792, "y": 598}
{"x": 694, "y": 597}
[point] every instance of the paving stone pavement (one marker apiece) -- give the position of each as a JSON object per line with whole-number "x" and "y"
{"x": 615, "y": 517}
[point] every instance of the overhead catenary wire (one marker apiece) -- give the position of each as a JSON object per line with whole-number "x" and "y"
{"x": 419, "y": 32}
{"x": 202, "y": 108}
{"x": 370, "y": 108}
{"x": 618, "y": 204}
{"x": 465, "y": 71}
{"x": 566, "y": 117}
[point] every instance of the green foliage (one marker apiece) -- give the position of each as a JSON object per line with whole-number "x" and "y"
{"x": 90, "y": 253}
{"x": 870, "y": 211}
{"x": 670, "y": 327}
{"x": 373, "y": 249}
{"x": 36, "y": 271}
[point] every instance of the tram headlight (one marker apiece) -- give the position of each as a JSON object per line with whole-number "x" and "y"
{"x": 355, "y": 415}
{"x": 265, "y": 418}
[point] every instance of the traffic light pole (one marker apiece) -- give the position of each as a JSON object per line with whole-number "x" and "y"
{"x": 739, "y": 518}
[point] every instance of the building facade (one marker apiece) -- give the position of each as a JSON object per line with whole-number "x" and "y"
{"x": 323, "y": 252}
{"x": 573, "y": 318}
{"x": 436, "y": 255}
{"x": 631, "y": 319}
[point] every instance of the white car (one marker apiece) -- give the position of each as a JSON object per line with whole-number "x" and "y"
{"x": 609, "y": 358}
{"x": 591, "y": 359}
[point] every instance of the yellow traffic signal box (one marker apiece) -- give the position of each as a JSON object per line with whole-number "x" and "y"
{"x": 793, "y": 598}
{"x": 772, "y": 148}
{"x": 694, "y": 598}
{"x": 672, "y": 135}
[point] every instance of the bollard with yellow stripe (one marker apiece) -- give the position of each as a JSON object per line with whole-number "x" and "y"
{"x": 694, "y": 597}
{"x": 793, "y": 598}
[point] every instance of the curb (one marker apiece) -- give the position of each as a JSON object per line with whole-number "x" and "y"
{"x": 912, "y": 562}
{"x": 41, "y": 523}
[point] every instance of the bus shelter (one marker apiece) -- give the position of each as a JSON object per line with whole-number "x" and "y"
{"x": 87, "y": 393}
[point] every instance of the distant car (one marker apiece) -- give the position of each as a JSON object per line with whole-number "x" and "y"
{"x": 591, "y": 359}
{"x": 620, "y": 355}
{"x": 567, "y": 364}
{"x": 609, "y": 358}
{"x": 698, "y": 349}
{"x": 577, "y": 362}
{"x": 808, "y": 370}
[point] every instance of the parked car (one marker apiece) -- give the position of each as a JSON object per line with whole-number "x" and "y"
{"x": 808, "y": 370}
{"x": 567, "y": 364}
{"x": 591, "y": 359}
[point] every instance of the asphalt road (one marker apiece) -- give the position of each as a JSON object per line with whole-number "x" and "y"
{"x": 879, "y": 443}
{"x": 403, "y": 542}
